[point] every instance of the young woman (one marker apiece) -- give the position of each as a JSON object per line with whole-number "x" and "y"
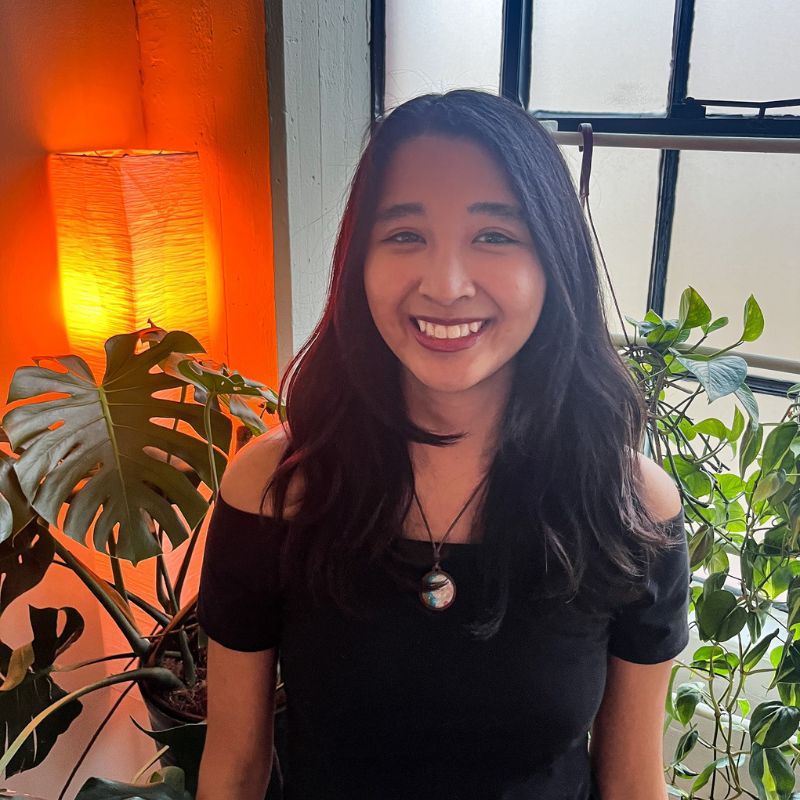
{"x": 453, "y": 545}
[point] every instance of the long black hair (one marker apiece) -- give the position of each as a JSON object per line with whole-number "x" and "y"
{"x": 563, "y": 488}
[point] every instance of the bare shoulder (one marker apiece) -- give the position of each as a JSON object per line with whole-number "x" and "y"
{"x": 659, "y": 492}
{"x": 250, "y": 469}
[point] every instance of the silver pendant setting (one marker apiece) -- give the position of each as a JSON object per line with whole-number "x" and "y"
{"x": 438, "y": 590}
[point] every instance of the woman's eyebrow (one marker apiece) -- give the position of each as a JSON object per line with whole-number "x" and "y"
{"x": 496, "y": 210}
{"x": 399, "y": 210}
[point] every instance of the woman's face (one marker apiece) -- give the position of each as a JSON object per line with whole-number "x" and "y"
{"x": 451, "y": 253}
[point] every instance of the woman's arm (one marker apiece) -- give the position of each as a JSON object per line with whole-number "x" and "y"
{"x": 627, "y": 739}
{"x": 237, "y": 757}
{"x": 627, "y": 735}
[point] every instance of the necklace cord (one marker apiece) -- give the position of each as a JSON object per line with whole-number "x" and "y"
{"x": 437, "y": 548}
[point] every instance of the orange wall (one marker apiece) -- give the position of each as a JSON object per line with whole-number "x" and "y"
{"x": 84, "y": 74}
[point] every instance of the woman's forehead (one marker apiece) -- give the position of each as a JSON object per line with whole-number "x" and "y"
{"x": 435, "y": 166}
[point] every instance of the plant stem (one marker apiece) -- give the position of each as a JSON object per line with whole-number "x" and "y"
{"x": 190, "y": 671}
{"x": 157, "y": 615}
{"x": 116, "y": 567}
{"x": 138, "y": 644}
{"x": 72, "y": 667}
{"x": 144, "y": 672}
{"x": 94, "y": 738}
{"x": 210, "y": 444}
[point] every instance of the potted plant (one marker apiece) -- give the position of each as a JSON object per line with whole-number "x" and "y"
{"x": 746, "y": 512}
{"x": 152, "y": 461}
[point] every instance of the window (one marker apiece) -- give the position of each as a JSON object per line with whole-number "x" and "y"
{"x": 724, "y": 221}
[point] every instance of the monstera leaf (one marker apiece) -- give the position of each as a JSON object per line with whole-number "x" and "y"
{"x": 28, "y": 689}
{"x": 242, "y": 397}
{"x": 165, "y": 784}
{"x": 186, "y": 744}
{"x": 26, "y": 547}
{"x": 99, "y": 448}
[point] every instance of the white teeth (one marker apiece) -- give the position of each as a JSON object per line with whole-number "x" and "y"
{"x": 448, "y": 331}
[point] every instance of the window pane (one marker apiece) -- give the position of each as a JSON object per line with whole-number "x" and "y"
{"x": 622, "y": 196}
{"x": 435, "y": 47}
{"x": 743, "y": 50}
{"x": 605, "y": 57}
{"x": 735, "y": 233}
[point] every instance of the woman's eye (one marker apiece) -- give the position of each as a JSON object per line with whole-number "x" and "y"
{"x": 404, "y": 237}
{"x": 494, "y": 237}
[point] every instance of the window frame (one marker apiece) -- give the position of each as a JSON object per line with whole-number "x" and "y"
{"x": 685, "y": 116}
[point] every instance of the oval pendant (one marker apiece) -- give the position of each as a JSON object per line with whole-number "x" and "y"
{"x": 438, "y": 590}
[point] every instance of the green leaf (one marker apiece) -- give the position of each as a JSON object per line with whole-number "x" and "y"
{"x": 751, "y": 445}
{"x": 101, "y": 789}
{"x": 730, "y": 484}
{"x": 719, "y": 617}
{"x": 753, "y": 320}
{"x": 686, "y": 699}
{"x": 744, "y": 394}
{"x": 793, "y": 602}
{"x": 24, "y": 561}
{"x": 771, "y": 773}
{"x": 753, "y": 656}
{"x": 703, "y": 778}
{"x": 694, "y": 481}
{"x": 700, "y": 546}
{"x": 693, "y": 310}
{"x": 186, "y": 744}
{"x": 767, "y": 486}
{"x": 719, "y": 377}
{"x": 776, "y": 445}
{"x": 744, "y": 706}
{"x": 738, "y": 425}
{"x": 714, "y": 659}
{"x": 99, "y": 447}
{"x": 718, "y": 323}
{"x": 712, "y": 427}
{"x": 773, "y": 723}
{"x": 685, "y": 744}
{"x": 24, "y": 699}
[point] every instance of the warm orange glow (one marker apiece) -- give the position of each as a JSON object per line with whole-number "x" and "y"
{"x": 129, "y": 225}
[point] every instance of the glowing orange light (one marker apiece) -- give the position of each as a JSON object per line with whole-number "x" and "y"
{"x": 129, "y": 225}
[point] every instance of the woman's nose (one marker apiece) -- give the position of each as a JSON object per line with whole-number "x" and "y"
{"x": 445, "y": 277}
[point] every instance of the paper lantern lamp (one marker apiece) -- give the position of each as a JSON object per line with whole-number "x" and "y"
{"x": 129, "y": 226}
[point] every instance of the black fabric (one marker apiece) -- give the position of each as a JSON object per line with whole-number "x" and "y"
{"x": 405, "y": 703}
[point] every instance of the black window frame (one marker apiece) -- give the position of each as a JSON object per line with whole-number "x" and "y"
{"x": 684, "y": 116}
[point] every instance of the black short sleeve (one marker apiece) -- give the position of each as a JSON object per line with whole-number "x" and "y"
{"x": 238, "y": 602}
{"x": 655, "y": 626}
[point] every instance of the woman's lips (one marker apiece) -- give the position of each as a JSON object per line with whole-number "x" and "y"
{"x": 447, "y": 345}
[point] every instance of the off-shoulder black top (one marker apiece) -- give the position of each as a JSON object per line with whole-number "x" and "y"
{"x": 407, "y": 704}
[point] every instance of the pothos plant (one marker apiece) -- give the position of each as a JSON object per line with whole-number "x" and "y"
{"x": 130, "y": 459}
{"x": 743, "y": 518}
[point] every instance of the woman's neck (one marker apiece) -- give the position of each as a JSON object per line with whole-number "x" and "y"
{"x": 475, "y": 412}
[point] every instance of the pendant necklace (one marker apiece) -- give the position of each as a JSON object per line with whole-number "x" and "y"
{"x": 438, "y": 589}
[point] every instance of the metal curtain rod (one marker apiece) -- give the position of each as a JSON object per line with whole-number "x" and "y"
{"x": 755, "y": 360}
{"x": 739, "y": 144}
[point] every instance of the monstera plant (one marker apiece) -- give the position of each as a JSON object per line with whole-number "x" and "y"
{"x": 125, "y": 462}
{"x": 740, "y": 485}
